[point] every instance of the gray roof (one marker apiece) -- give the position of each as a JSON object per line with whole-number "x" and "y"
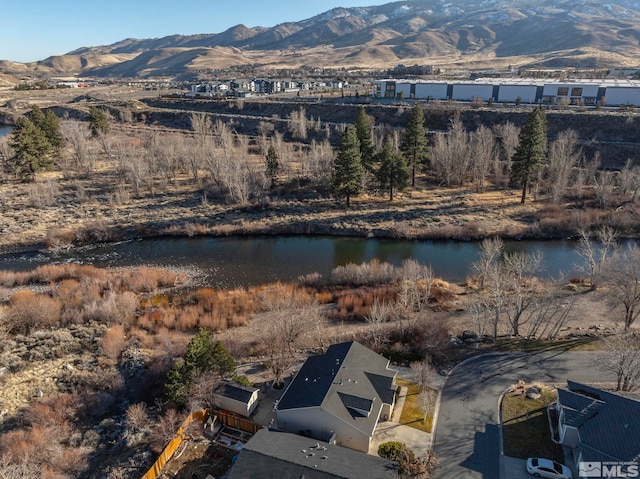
{"x": 608, "y": 423}
{"x": 347, "y": 378}
{"x": 281, "y": 455}
{"x": 578, "y": 409}
{"x": 236, "y": 391}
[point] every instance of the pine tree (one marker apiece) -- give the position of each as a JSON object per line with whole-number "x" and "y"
{"x": 49, "y": 124}
{"x": 414, "y": 143}
{"x": 348, "y": 171}
{"x": 32, "y": 150}
{"x": 393, "y": 172}
{"x": 51, "y": 128}
{"x": 363, "y": 129}
{"x": 531, "y": 152}
{"x": 223, "y": 364}
{"x": 202, "y": 356}
{"x": 98, "y": 122}
{"x": 272, "y": 164}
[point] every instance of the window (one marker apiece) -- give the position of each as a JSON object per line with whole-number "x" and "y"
{"x": 576, "y": 92}
{"x": 563, "y": 91}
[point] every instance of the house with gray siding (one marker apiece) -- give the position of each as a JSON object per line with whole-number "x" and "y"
{"x": 339, "y": 396}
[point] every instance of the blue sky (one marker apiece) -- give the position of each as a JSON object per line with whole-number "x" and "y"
{"x": 36, "y": 29}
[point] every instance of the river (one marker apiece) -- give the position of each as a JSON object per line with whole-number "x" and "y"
{"x": 5, "y": 130}
{"x": 241, "y": 261}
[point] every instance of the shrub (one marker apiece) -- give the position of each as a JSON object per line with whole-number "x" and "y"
{"x": 29, "y": 311}
{"x": 113, "y": 342}
{"x": 137, "y": 417}
{"x": 391, "y": 450}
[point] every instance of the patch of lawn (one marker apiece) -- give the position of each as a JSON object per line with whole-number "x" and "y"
{"x": 412, "y": 412}
{"x": 525, "y": 427}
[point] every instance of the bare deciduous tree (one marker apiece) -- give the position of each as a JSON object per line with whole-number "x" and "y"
{"x": 595, "y": 255}
{"x": 630, "y": 180}
{"x": 604, "y": 182}
{"x": 490, "y": 253}
{"x": 622, "y": 281}
{"x": 484, "y": 151}
{"x": 622, "y": 358}
{"x": 564, "y": 156}
{"x": 289, "y": 318}
{"x": 423, "y": 371}
{"x": 202, "y": 391}
{"x": 520, "y": 269}
{"x": 298, "y": 124}
{"x": 77, "y": 137}
{"x": 379, "y": 314}
{"x": 450, "y": 154}
{"x": 427, "y": 401}
{"x": 508, "y": 138}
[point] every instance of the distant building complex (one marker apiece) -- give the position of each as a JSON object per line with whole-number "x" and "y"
{"x": 573, "y": 92}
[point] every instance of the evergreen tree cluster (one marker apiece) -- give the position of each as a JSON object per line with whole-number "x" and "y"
{"x": 36, "y": 140}
{"x": 357, "y": 157}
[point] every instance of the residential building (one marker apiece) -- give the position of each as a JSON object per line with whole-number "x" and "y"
{"x": 598, "y": 425}
{"x": 277, "y": 455}
{"x": 339, "y": 396}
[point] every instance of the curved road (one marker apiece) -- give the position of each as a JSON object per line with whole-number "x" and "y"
{"x": 467, "y": 439}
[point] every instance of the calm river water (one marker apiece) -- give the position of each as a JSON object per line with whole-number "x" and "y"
{"x": 5, "y": 130}
{"x": 240, "y": 261}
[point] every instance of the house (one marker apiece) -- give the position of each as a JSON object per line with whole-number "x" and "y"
{"x": 274, "y": 455}
{"x": 237, "y": 398}
{"x": 339, "y": 396}
{"x": 598, "y": 425}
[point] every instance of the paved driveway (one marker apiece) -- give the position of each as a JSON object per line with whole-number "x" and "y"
{"x": 467, "y": 432}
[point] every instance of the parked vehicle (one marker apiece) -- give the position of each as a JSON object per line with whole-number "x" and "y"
{"x": 547, "y": 468}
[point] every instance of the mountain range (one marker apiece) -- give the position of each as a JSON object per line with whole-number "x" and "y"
{"x": 460, "y": 34}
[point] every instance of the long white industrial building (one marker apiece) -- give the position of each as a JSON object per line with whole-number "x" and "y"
{"x": 574, "y": 92}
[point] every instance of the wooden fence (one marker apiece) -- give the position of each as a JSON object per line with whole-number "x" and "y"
{"x": 226, "y": 418}
{"x": 237, "y": 422}
{"x": 167, "y": 454}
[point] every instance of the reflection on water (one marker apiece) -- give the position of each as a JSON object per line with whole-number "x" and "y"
{"x": 228, "y": 262}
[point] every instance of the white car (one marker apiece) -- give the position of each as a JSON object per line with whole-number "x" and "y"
{"x": 547, "y": 468}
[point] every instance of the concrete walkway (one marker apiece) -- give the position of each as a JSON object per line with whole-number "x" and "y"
{"x": 392, "y": 430}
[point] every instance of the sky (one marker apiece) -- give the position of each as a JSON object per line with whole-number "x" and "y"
{"x": 36, "y": 29}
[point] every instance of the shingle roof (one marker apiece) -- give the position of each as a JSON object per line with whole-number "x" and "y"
{"x": 348, "y": 377}
{"x": 277, "y": 455}
{"x": 610, "y": 425}
{"x": 236, "y": 391}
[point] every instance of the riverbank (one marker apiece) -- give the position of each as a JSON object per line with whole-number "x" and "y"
{"x": 60, "y": 212}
